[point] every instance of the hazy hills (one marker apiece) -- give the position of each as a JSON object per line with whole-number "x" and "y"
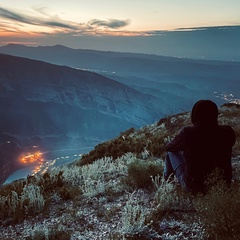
{"x": 50, "y": 99}
{"x": 157, "y": 86}
{"x": 177, "y": 82}
{"x": 210, "y": 43}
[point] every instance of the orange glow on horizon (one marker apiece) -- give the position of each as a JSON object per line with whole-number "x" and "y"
{"x": 19, "y": 34}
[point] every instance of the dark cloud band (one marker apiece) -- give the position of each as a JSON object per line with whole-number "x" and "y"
{"x": 13, "y": 16}
{"x": 112, "y": 23}
{"x": 58, "y": 24}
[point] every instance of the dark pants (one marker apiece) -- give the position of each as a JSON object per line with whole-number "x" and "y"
{"x": 175, "y": 165}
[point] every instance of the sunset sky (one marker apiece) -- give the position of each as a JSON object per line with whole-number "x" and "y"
{"x": 75, "y": 22}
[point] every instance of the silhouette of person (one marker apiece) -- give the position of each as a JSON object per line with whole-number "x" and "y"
{"x": 199, "y": 149}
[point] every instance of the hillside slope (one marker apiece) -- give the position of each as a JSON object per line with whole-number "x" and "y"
{"x": 123, "y": 196}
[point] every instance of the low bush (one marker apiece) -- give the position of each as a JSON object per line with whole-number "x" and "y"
{"x": 219, "y": 211}
{"x": 115, "y": 148}
{"x": 30, "y": 197}
{"x": 140, "y": 173}
{"x": 18, "y": 206}
{"x": 133, "y": 221}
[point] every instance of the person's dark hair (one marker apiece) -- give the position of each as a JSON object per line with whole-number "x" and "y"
{"x": 204, "y": 111}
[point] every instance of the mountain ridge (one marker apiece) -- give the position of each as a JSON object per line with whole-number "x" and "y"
{"x": 57, "y": 75}
{"x": 147, "y": 73}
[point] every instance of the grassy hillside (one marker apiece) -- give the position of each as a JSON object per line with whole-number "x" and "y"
{"x": 116, "y": 191}
{"x": 152, "y": 138}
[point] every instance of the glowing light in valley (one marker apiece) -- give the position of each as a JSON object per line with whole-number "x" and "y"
{"x": 35, "y": 159}
{"x": 29, "y": 158}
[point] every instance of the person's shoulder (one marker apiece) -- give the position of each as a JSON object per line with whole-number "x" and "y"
{"x": 187, "y": 129}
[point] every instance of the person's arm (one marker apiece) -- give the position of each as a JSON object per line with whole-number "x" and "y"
{"x": 177, "y": 144}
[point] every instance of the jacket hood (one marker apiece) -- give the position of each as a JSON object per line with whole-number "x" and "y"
{"x": 204, "y": 112}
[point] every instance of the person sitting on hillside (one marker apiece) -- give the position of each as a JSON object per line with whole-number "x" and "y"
{"x": 200, "y": 149}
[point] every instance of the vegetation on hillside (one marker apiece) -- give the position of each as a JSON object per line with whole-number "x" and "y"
{"x": 116, "y": 191}
{"x": 152, "y": 138}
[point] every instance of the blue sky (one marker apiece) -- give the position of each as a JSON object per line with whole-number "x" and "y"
{"x": 82, "y": 24}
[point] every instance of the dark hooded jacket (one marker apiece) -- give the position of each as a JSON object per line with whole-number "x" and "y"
{"x": 205, "y": 145}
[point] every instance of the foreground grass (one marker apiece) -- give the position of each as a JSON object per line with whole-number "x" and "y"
{"x": 104, "y": 200}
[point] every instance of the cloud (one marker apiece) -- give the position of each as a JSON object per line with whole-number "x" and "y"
{"x": 12, "y": 16}
{"x": 111, "y": 23}
{"x": 51, "y": 22}
{"x": 41, "y": 10}
{"x": 56, "y": 24}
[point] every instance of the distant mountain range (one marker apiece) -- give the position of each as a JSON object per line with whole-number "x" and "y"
{"x": 40, "y": 99}
{"x": 176, "y": 82}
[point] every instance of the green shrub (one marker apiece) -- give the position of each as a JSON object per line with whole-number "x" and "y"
{"x": 22, "y": 199}
{"x": 140, "y": 173}
{"x": 219, "y": 211}
{"x": 114, "y": 148}
{"x": 133, "y": 223}
{"x": 68, "y": 192}
{"x": 156, "y": 145}
{"x": 18, "y": 206}
{"x": 51, "y": 182}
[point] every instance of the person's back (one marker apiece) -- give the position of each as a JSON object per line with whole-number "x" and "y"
{"x": 205, "y": 146}
{"x": 208, "y": 149}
